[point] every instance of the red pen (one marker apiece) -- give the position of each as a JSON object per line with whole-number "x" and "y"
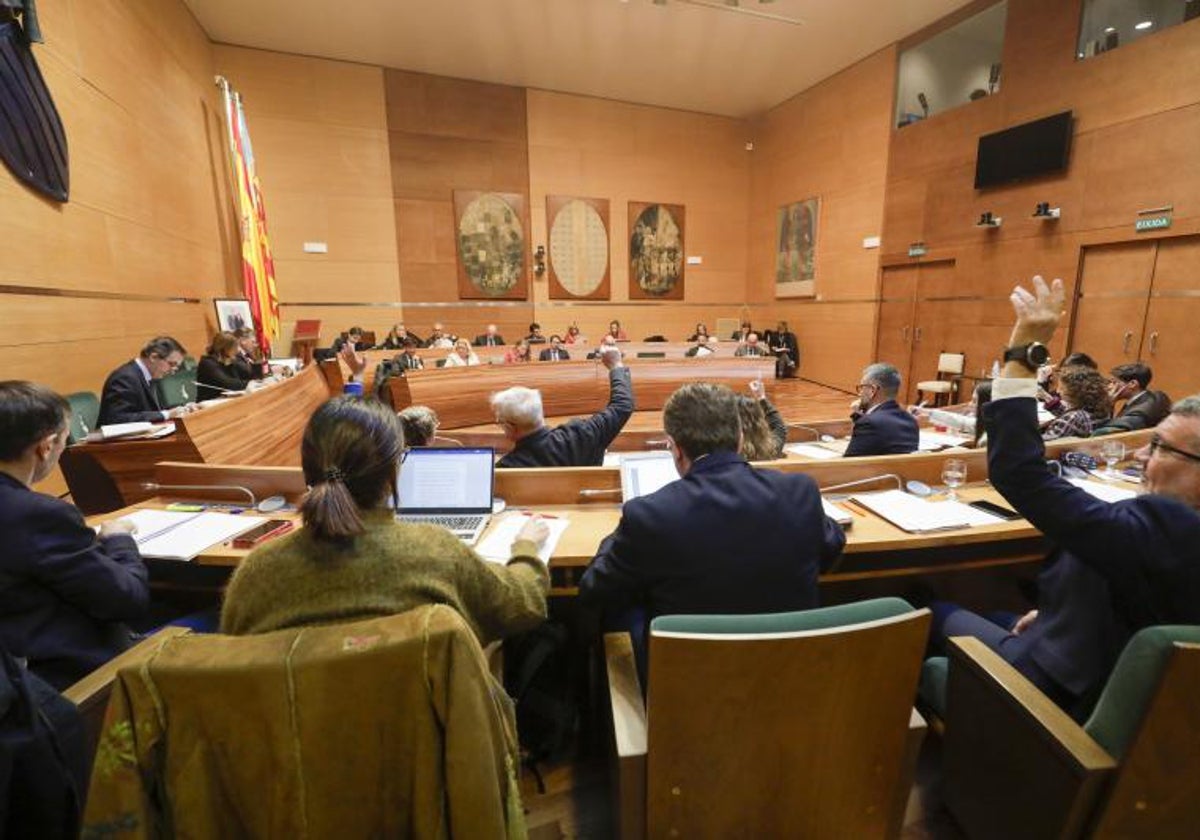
{"x": 543, "y": 515}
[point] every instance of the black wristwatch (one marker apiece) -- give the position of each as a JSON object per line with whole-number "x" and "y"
{"x": 1032, "y": 355}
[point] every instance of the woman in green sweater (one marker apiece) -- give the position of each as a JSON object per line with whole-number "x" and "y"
{"x": 353, "y": 560}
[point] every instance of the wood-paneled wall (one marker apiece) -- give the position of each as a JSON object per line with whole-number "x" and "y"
{"x": 1137, "y": 121}
{"x": 829, "y": 142}
{"x": 146, "y": 240}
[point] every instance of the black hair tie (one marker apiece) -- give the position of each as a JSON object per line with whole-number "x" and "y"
{"x": 334, "y": 474}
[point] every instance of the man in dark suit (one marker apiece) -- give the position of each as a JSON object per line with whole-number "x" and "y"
{"x": 782, "y": 342}
{"x": 409, "y": 360}
{"x": 129, "y": 396}
{"x": 555, "y": 352}
{"x": 1117, "y": 567}
{"x": 489, "y": 338}
{"x": 63, "y": 589}
{"x": 1143, "y": 408}
{"x": 881, "y": 426}
{"x": 245, "y": 367}
{"x": 576, "y": 443}
{"x": 725, "y": 538}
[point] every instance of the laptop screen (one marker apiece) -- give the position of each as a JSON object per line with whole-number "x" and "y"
{"x": 642, "y": 473}
{"x": 446, "y": 480}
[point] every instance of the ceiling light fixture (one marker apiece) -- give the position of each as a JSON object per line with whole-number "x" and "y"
{"x": 1146, "y": 24}
{"x": 1108, "y": 29}
{"x": 736, "y": 6}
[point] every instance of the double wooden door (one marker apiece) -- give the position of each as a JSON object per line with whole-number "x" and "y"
{"x": 1141, "y": 301}
{"x": 912, "y": 328}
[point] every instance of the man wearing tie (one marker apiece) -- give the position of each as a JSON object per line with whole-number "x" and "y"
{"x": 554, "y": 352}
{"x": 129, "y": 395}
{"x": 490, "y": 338}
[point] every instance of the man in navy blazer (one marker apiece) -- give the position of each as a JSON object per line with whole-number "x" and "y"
{"x": 128, "y": 395}
{"x": 881, "y": 426}
{"x": 725, "y": 538}
{"x": 64, "y": 590}
{"x": 1117, "y": 567}
{"x": 1143, "y": 408}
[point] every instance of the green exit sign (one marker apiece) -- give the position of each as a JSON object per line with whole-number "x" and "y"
{"x": 1152, "y": 223}
{"x": 917, "y": 249}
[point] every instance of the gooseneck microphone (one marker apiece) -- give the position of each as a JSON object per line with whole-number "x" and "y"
{"x": 153, "y": 485}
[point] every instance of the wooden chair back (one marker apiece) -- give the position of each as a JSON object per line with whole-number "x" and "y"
{"x": 782, "y": 734}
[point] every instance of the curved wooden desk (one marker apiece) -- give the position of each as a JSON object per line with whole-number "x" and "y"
{"x": 262, "y": 428}
{"x": 460, "y": 395}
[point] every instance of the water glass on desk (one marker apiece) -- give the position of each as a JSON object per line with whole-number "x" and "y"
{"x": 1112, "y": 452}
{"x": 954, "y": 474}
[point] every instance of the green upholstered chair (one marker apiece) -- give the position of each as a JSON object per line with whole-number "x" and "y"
{"x": 789, "y": 724}
{"x": 1015, "y": 765}
{"x": 85, "y": 413}
{"x": 178, "y": 388}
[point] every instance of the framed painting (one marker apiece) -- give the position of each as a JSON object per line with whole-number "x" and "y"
{"x": 490, "y": 241}
{"x": 796, "y": 248}
{"x": 656, "y": 255}
{"x": 233, "y": 314}
{"x": 579, "y": 265}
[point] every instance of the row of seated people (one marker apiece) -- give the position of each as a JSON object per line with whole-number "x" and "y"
{"x": 726, "y": 538}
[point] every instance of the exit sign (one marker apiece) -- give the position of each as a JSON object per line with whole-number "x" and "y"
{"x": 917, "y": 249}
{"x": 1152, "y": 223}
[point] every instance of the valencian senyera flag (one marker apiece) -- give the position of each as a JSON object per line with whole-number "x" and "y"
{"x": 258, "y": 269}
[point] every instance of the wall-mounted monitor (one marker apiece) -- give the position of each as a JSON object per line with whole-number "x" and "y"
{"x": 1041, "y": 147}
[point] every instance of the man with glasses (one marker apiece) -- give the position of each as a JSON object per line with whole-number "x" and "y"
{"x": 881, "y": 426}
{"x": 129, "y": 395}
{"x": 1117, "y": 567}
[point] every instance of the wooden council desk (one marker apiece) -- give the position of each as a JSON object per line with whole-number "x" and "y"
{"x": 261, "y": 428}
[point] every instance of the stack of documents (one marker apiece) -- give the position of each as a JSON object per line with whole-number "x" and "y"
{"x": 933, "y": 441}
{"x": 141, "y": 430}
{"x": 811, "y": 450}
{"x": 919, "y": 516}
{"x": 181, "y": 536}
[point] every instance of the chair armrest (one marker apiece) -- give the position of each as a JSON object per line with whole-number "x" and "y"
{"x": 629, "y": 735}
{"x": 1014, "y": 763}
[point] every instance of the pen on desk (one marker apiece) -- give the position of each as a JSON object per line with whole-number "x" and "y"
{"x": 853, "y": 506}
{"x": 542, "y": 515}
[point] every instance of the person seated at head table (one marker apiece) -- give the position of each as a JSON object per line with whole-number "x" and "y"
{"x": 217, "y": 373}
{"x": 1115, "y": 567}
{"x": 555, "y": 352}
{"x": 462, "y": 355}
{"x": 535, "y": 334}
{"x": 703, "y": 347}
{"x": 438, "y": 339}
{"x": 881, "y": 426}
{"x": 573, "y": 335}
{"x": 605, "y": 341}
{"x": 489, "y": 338}
{"x": 1084, "y": 396}
{"x": 353, "y": 559}
{"x": 67, "y": 589}
{"x": 1143, "y": 408}
{"x": 397, "y": 337}
{"x": 129, "y": 396}
{"x": 353, "y": 337}
{"x": 782, "y": 343}
{"x": 577, "y": 443}
{"x": 409, "y": 360}
{"x": 615, "y": 331}
{"x": 519, "y": 352}
{"x": 743, "y": 331}
{"x": 763, "y": 430}
{"x": 751, "y": 347}
{"x": 701, "y": 330}
{"x": 248, "y": 363}
{"x": 725, "y": 538}
{"x": 420, "y": 423}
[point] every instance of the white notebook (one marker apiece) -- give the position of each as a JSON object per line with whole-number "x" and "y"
{"x": 496, "y": 547}
{"x": 919, "y": 516}
{"x": 170, "y": 535}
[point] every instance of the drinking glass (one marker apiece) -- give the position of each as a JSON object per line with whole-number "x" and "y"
{"x": 1112, "y": 451}
{"x": 954, "y": 474}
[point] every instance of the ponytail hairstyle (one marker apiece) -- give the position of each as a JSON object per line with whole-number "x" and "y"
{"x": 350, "y": 452}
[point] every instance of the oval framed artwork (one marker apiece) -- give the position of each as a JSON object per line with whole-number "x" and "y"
{"x": 579, "y": 265}
{"x": 656, "y": 251}
{"x": 490, "y": 242}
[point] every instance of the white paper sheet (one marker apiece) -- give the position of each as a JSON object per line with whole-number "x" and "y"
{"x": 181, "y": 536}
{"x": 496, "y": 545}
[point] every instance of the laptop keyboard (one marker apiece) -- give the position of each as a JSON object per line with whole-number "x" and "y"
{"x": 454, "y": 523}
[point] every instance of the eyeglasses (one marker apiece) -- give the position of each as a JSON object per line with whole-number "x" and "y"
{"x": 1157, "y": 443}
{"x": 862, "y": 385}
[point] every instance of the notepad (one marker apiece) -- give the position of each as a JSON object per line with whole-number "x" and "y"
{"x": 837, "y": 514}
{"x": 1104, "y": 492}
{"x": 170, "y": 535}
{"x": 932, "y": 441}
{"x": 919, "y": 516}
{"x": 142, "y": 430}
{"x": 811, "y": 450}
{"x": 496, "y": 546}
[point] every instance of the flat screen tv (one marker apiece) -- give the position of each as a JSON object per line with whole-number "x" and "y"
{"x": 1024, "y": 151}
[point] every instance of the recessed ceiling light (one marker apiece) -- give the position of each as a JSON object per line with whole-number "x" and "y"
{"x": 1108, "y": 29}
{"x": 1146, "y": 24}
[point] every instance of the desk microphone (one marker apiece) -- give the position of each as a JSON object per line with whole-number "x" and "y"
{"x": 216, "y": 388}
{"x": 589, "y": 493}
{"x": 819, "y": 435}
{"x": 848, "y": 484}
{"x": 153, "y": 485}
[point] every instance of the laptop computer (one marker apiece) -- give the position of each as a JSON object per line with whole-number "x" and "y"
{"x": 643, "y": 473}
{"x": 448, "y": 486}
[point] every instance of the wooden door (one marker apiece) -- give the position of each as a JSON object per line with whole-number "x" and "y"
{"x": 935, "y": 293}
{"x": 1171, "y": 345}
{"x": 1110, "y": 306}
{"x": 894, "y": 333}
